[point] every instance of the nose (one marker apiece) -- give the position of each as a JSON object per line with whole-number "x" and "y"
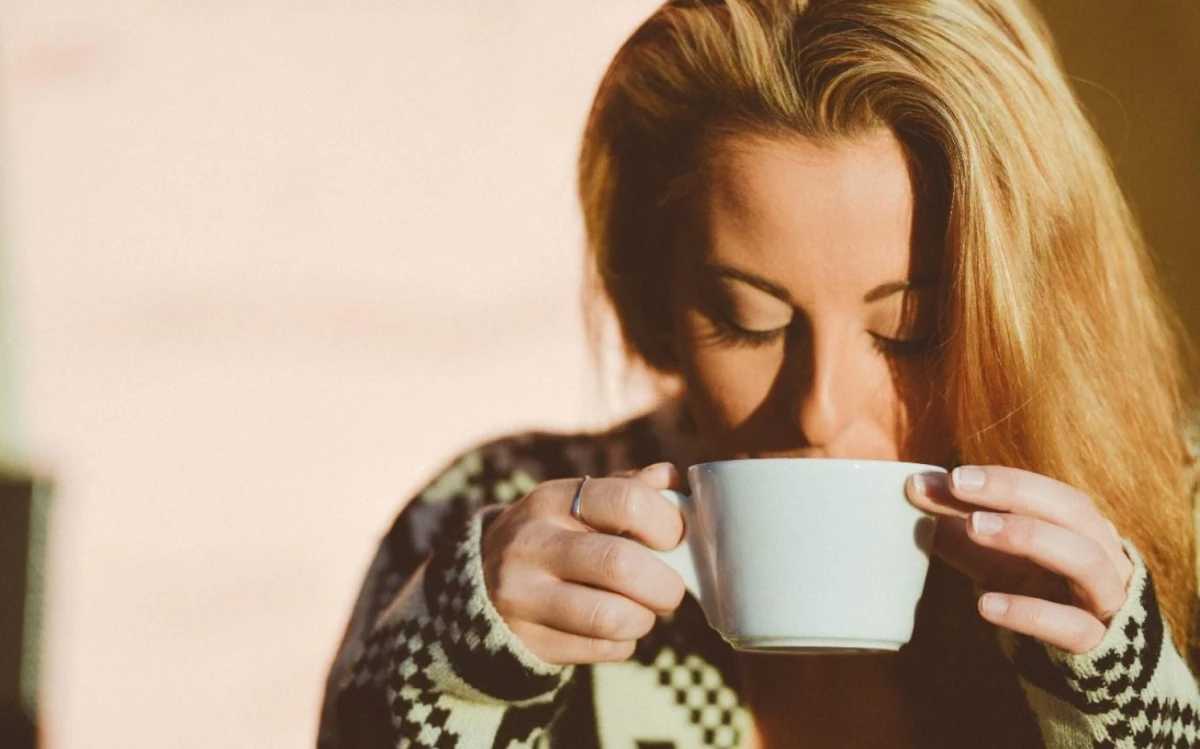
{"x": 828, "y": 393}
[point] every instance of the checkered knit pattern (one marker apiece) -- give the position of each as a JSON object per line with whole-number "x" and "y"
{"x": 699, "y": 689}
{"x": 471, "y": 634}
{"x": 1132, "y": 690}
{"x": 443, "y": 669}
{"x": 427, "y": 662}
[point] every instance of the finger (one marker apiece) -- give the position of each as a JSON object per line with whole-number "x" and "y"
{"x": 1066, "y": 627}
{"x": 1081, "y": 560}
{"x": 1020, "y": 492}
{"x": 931, "y": 492}
{"x": 588, "y": 612}
{"x": 621, "y": 506}
{"x": 656, "y": 476}
{"x": 527, "y": 594}
{"x": 618, "y": 565}
{"x": 661, "y": 476}
{"x": 993, "y": 569}
{"x": 563, "y": 648}
{"x": 1026, "y": 493}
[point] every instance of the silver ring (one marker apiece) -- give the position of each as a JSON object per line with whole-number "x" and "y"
{"x": 577, "y": 503}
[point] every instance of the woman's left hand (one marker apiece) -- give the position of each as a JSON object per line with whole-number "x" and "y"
{"x": 1051, "y": 563}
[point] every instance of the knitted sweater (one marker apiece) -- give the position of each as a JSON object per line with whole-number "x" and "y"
{"x": 427, "y": 661}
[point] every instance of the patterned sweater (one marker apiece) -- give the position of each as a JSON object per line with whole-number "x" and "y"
{"x": 426, "y": 660}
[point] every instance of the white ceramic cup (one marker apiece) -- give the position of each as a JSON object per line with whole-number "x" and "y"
{"x": 804, "y": 554}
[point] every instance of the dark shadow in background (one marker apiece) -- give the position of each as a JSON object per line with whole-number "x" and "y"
{"x": 1136, "y": 67}
{"x": 23, "y": 524}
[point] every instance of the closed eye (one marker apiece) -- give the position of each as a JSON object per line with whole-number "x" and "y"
{"x": 725, "y": 331}
{"x": 901, "y": 349}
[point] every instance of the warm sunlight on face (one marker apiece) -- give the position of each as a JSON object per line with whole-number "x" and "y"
{"x": 805, "y": 319}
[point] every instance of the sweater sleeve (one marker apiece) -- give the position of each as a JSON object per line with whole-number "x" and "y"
{"x": 1134, "y": 689}
{"x": 427, "y": 661}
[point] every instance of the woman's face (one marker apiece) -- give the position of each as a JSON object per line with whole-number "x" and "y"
{"x": 804, "y": 315}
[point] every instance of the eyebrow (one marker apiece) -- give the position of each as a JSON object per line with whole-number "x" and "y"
{"x": 751, "y": 279}
{"x": 881, "y": 291}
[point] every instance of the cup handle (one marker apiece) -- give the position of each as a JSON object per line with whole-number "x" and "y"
{"x": 681, "y": 558}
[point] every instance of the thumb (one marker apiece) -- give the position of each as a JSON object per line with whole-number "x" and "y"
{"x": 660, "y": 476}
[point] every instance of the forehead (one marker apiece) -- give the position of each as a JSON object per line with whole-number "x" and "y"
{"x": 833, "y": 215}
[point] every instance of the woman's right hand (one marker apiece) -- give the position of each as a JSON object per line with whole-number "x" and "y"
{"x": 576, "y": 593}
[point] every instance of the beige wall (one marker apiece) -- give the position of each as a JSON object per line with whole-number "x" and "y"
{"x": 273, "y": 262}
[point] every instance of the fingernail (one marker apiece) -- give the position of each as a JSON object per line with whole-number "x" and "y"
{"x": 986, "y": 523}
{"x": 968, "y": 478}
{"x": 993, "y": 604}
{"x": 917, "y": 482}
{"x": 929, "y": 484}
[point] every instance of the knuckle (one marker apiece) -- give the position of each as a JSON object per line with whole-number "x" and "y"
{"x": 527, "y": 542}
{"x": 1096, "y": 564}
{"x": 1033, "y": 618}
{"x": 1018, "y": 533}
{"x": 616, "y": 561}
{"x": 1000, "y": 482}
{"x": 604, "y": 620}
{"x": 504, "y": 590}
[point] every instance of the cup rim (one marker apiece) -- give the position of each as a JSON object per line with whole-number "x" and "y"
{"x": 917, "y": 467}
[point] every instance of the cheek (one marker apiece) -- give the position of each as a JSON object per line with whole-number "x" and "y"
{"x": 733, "y": 384}
{"x": 880, "y": 394}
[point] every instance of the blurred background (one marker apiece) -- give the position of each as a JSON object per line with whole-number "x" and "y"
{"x": 265, "y": 267}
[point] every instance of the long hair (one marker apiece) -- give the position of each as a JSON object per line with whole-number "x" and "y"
{"x": 1058, "y": 353}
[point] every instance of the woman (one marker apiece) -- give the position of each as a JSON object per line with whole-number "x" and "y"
{"x": 843, "y": 228}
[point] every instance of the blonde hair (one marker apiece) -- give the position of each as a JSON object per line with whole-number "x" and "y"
{"x": 1058, "y": 354}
